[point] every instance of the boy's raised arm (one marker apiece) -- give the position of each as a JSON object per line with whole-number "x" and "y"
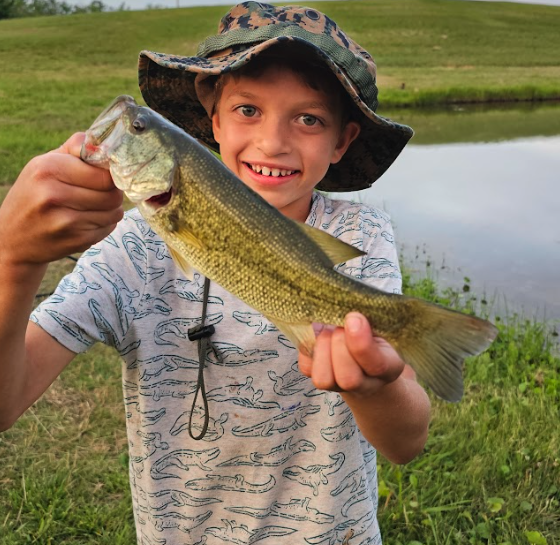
{"x": 58, "y": 206}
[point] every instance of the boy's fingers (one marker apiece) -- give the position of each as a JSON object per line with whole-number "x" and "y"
{"x": 376, "y": 357}
{"x": 305, "y": 364}
{"x": 322, "y": 374}
{"x": 96, "y": 220}
{"x": 357, "y": 329}
{"x": 64, "y": 164}
{"x": 83, "y": 199}
{"x": 73, "y": 145}
{"x": 69, "y": 169}
{"x": 348, "y": 374}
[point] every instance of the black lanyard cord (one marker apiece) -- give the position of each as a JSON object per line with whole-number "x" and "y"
{"x": 202, "y": 333}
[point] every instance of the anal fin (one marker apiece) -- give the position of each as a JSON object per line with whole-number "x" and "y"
{"x": 301, "y": 336}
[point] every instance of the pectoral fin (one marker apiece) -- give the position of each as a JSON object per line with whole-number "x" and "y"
{"x": 182, "y": 263}
{"x": 188, "y": 237}
{"x": 301, "y": 336}
{"x": 337, "y": 250}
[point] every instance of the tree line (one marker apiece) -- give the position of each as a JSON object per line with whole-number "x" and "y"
{"x": 10, "y": 9}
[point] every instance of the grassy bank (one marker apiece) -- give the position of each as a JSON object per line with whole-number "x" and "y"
{"x": 490, "y": 473}
{"x": 57, "y": 73}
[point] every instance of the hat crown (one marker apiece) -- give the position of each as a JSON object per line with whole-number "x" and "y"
{"x": 174, "y": 85}
{"x": 256, "y": 14}
{"x": 247, "y": 24}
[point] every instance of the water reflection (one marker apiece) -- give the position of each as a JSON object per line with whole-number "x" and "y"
{"x": 488, "y": 210}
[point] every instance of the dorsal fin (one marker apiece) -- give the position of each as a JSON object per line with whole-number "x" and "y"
{"x": 337, "y": 250}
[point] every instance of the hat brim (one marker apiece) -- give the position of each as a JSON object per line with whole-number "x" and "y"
{"x": 167, "y": 84}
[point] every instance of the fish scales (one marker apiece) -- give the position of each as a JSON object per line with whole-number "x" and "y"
{"x": 215, "y": 224}
{"x": 274, "y": 250}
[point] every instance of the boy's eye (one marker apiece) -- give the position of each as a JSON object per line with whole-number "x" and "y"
{"x": 309, "y": 120}
{"x": 247, "y": 111}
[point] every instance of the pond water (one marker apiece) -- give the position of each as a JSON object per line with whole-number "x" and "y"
{"x": 477, "y": 193}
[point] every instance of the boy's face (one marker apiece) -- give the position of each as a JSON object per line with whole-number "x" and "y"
{"x": 280, "y": 136}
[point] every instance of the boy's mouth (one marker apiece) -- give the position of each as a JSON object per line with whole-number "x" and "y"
{"x": 272, "y": 172}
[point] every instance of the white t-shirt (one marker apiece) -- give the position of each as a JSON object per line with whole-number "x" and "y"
{"x": 281, "y": 462}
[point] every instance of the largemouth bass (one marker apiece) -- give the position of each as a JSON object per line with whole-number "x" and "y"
{"x": 212, "y": 222}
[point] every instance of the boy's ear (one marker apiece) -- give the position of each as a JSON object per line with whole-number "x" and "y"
{"x": 348, "y": 134}
{"x": 216, "y": 126}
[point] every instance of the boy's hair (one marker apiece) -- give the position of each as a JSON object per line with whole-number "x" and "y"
{"x": 182, "y": 88}
{"x": 303, "y": 64}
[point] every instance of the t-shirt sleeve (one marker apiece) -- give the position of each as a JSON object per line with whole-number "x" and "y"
{"x": 98, "y": 300}
{"x": 380, "y": 265}
{"x": 370, "y": 230}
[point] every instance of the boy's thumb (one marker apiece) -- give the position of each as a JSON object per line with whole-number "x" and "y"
{"x": 354, "y": 323}
{"x": 73, "y": 146}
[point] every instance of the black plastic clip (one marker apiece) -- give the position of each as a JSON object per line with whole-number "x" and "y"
{"x": 199, "y": 332}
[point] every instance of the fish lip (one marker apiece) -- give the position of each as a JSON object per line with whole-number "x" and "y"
{"x": 104, "y": 131}
{"x": 103, "y": 125}
{"x": 96, "y": 152}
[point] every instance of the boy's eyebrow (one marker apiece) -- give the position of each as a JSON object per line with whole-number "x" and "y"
{"x": 315, "y": 104}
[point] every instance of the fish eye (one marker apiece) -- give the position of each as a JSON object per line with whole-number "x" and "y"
{"x": 139, "y": 123}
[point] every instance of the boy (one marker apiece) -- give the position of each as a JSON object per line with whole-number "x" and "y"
{"x": 267, "y": 93}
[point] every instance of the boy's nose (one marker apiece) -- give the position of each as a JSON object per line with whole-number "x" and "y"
{"x": 273, "y": 138}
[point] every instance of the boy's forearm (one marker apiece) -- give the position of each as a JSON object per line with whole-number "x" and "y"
{"x": 18, "y": 286}
{"x": 395, "y": 420}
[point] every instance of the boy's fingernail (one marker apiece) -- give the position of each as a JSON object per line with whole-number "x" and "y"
{"x": 353, "y": 323}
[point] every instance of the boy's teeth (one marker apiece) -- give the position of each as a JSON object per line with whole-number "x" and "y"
{"x": 271, "y": 171}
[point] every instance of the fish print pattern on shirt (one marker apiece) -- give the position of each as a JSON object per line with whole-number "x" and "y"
{"x": 282, "y": 462}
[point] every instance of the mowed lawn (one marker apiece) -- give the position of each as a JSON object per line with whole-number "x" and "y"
{"x": 57, "y": 73}
{"x": 490, "y": 473}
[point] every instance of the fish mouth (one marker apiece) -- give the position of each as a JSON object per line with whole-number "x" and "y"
{"x": 159, "y": 201}
{"x": 155, "y": 200}
{"x": 105, "y": 132}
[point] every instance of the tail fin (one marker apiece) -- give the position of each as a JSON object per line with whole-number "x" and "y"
{"x": 436, "y": 342}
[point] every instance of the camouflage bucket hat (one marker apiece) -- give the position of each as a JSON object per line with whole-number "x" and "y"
{"x": 175, "y": 86}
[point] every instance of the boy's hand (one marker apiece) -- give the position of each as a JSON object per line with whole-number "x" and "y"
{"x": 59, "y": 205}
{"x": 351, "y": 359}
{"x": 391, "y": 409}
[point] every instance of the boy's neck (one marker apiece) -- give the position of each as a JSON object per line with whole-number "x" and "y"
{"x": 298, "y": 211}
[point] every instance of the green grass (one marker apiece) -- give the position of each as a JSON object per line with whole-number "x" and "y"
{"x": 59, "y": 72}
{"x": 490, "y": 473}
{"x": 64, "y": 477}
{"x": 479, "y": 123}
